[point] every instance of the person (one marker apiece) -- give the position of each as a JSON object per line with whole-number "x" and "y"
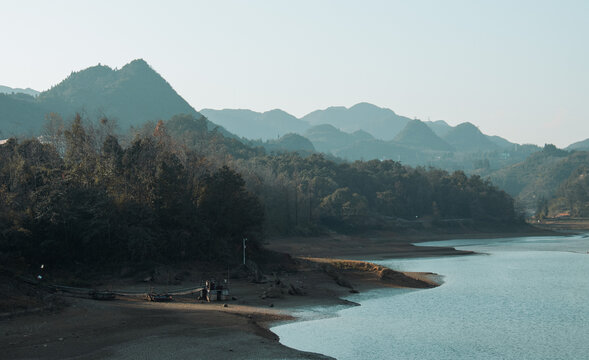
{"x": 203, "y": 294}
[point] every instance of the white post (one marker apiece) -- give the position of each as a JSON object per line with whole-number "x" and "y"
{"x": 244, "y": 240}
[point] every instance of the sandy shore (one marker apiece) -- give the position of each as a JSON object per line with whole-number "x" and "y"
{"x": 129, "y": 328}
{"x": 121, "y": 329}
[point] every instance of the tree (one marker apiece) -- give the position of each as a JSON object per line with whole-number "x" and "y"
{"x": 228, "y": 210}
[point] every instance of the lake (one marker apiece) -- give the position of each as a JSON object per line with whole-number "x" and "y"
{"x": 521, "y": 298}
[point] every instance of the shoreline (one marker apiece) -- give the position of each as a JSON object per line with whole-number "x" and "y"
{"x": 131, "y": 327}
{"x": 380, "y": 245}
{"x": 183, "y": 328}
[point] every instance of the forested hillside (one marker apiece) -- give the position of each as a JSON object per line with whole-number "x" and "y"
{"x": 537, "y": 180}
{"x": 572, "y": 196}
{"x": 178, "y": 190}
{"x": 130, "y": 96}
{"x": 84, "y": 199}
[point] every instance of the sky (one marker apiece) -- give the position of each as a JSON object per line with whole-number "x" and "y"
{"x": 518, "y": 69}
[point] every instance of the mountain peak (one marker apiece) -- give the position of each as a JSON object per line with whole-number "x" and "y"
{"x": 138, "y": 62}
{"x": 468, "y": 125}
{"x": 139, "y": 65}
{"x": 382, "y": 123}
{"x": 365, "y": 105}
{"x": 417, "y": 134}
{"x": 133, "y": 95}
{"x": 277, "y": 112}
{"x": 468, "y": 137}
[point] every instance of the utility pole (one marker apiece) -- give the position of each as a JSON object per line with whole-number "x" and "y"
{"x": 244, "y": 240}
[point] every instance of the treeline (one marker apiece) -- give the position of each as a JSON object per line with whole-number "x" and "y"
{"x": 177, "y": 191}
{"x": 82, "y": 198}
{"x": 303, "y": 193}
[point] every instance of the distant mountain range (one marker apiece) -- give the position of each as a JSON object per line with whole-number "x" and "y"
{"x": 136, "y": 94}
{"x": 254, "y": 125}
{"x": 132, "y": 95}
{"x": 382, "y": 123}
{"x": 9, "y": 90}
{"x": 365, "y": 131}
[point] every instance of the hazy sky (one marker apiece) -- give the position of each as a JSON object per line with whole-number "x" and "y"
{"x": 519, "y": 69}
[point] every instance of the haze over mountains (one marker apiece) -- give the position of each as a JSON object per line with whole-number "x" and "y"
{"x": 9, "y": 90}
{"x": 136, "y": 94}
{"x": 365, "y": 131}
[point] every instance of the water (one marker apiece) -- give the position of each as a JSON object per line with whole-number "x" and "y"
{"x": 525, "y": 298}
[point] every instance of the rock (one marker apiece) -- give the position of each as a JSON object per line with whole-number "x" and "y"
{"x": 354, "y": 291}
{"x": 271, "y": 305}
{"x": 225, "y": 305}
{"x": 233, "y": 298}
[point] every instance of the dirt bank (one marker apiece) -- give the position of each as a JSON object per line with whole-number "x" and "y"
{"x": 129, "y": 327}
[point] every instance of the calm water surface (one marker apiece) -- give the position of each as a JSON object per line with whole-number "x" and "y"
{"x": 524, "y": 298}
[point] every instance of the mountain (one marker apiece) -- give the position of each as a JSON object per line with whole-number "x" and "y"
{"x": 361, "y": 135}
{"x": 328, "y": 139}
{"x": 360, "y": 145}
{"x": 132, "y": 95}
{"x": 9, "y": 90}
{"x": 501, "y": 142}
{"x": 579, "y": 145}
{"x": 467, "y": 137}
{"x": 20, "y": 114}
{"x": 380, "y": 122}
{"x": 366, "y": 131}
{"x": 417, "y": 134}
{"x": 255, "y": 125}
{"x": 440, "y": 127}
{"x": 289, "y": 143}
